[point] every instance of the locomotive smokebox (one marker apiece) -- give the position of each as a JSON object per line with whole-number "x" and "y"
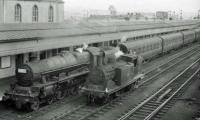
{"x": 24, "y": 75}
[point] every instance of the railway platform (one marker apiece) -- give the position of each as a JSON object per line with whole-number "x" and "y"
{"x": 4, "y": 84}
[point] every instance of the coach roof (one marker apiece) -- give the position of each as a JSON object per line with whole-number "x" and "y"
{"x": 46, "y": 0}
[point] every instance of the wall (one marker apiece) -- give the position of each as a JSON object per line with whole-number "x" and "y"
{"x": 1, "y": 11}
{"x": 61, "y": 12}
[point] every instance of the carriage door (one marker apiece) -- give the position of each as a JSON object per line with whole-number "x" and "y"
{"x": 19, "y": 60}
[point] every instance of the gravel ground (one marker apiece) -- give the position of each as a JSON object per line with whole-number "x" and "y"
{"x": 185, "y": 108}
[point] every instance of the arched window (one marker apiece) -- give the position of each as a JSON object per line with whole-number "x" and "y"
{"x": 35, "y": 13}
{"x": 18, "y": 13}
{"x": 50, "y": 14}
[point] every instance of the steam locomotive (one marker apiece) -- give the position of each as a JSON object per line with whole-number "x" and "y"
{"x": 49, "y": 79}
{"x": 108, "y": 76}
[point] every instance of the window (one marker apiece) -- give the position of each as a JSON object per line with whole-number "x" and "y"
{"x": 54, "y": 52}
{"x": 5, "y": 62}
{"x": 18, "y": 13}
{"x": 35, "y": 14}
{"x": 43, "y": 55}
{"x": 144, "y": 49}
{"x": 50, "y": 14}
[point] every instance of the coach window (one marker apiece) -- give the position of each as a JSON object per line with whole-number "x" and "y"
{"x": 43, "y": 55}
{"x": 144, "y": 49}
{"x": 51, "y": 15}
{"x": 18, "y": 13}
{"x": 5, "y": 62}
{"x": 54, "y": 52}
{"x": 35, "y": 13}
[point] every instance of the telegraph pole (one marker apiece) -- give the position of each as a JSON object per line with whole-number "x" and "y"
{"x": 181, "y": 15}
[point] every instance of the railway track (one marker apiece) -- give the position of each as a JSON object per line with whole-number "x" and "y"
{"x": 157, "y": 104}
{"x": 88, "y": 112}
{"x": 9, "y": 115}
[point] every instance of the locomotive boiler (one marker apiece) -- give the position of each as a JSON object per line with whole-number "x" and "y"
{"x": 110, "y": 75}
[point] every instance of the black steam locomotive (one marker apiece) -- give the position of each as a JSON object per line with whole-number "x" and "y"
{"x": 108, "y": 76}
{"x": 47, "y": 80}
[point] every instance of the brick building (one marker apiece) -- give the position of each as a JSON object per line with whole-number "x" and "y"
{"x": 162, "y": 15}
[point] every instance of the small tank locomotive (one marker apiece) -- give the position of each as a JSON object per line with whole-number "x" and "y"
{"x": 48, "y": 80}
{"x": 110, "y": 75}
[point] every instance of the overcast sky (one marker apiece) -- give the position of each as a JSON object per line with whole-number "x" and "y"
{"x": 134, "y": 5}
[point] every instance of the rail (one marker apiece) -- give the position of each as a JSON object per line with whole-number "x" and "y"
{"x": 150, "y": 103}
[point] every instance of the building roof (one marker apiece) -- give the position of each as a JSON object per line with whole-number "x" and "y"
{"x": 17, "y": 32}
{"x": 46, "y": 0}
{"x": 26, "y": 37}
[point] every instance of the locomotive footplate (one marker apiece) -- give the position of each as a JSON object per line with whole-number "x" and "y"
{"x": 20, "y": 101}
{"x": 92, "y": 92}
{"x": 16, "y": 98}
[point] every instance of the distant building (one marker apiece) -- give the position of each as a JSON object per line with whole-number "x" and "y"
{"x": 31, "y": 11}
{"x": 162, "y": 15}
{"x": 94, "y": 12}
{"x": 112, "y": 10}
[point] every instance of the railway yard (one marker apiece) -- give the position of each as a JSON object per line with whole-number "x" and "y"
{"x": 116, "y": 70}
{"x": 168, "y": 91}
{"x": 87, "y": 63}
